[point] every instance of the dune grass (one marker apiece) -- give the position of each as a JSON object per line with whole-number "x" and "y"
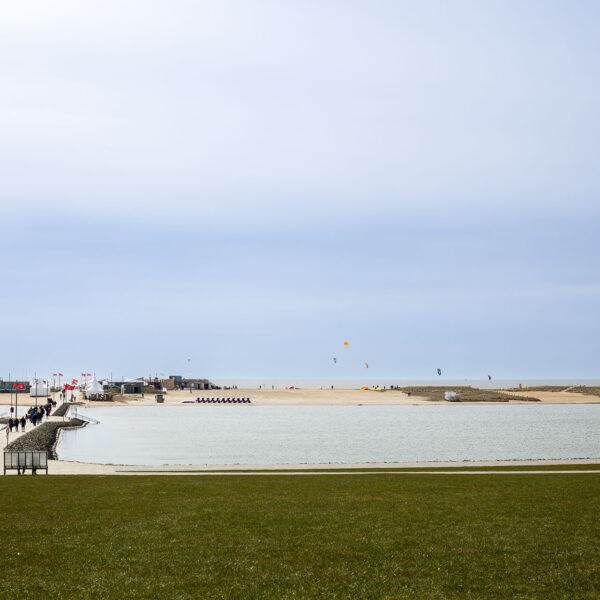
{"x": 464, "y": 394}
{"x": 382, "y": 536}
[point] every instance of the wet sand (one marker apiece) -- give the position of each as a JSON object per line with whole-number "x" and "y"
{"x": 60, "y": 467}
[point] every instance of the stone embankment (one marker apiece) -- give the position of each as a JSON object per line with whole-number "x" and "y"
{"x": 61, "y": 411}
{"x": 44, "y": 437}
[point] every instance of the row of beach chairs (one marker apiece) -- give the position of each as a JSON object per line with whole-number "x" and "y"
{"x": 223, "y": 400}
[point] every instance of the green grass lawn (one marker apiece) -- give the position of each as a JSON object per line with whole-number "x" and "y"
{"x": 381, "y": 536}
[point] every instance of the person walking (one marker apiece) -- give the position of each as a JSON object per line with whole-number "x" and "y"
{"x": 23, "y": 421}
{"x": 10, "y": 424}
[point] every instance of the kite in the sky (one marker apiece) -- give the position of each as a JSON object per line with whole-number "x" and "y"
{"x": 346, "y": 344}
{"x": 335, "y": 359}
{"x": 367, "y": 365}
{"x": 439, "y": 371}
{"x": 489, "y": 377}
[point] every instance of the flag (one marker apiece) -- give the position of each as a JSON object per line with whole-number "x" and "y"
{"x": 89, "y": 374}
{"x": 21, "y": 386}
{"x": 54, "y": 375}
{"x": 60, "y": 374}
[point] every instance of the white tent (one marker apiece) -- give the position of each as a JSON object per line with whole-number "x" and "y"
{"x": 94, "y": 388}
{"x": 40, "y": 388}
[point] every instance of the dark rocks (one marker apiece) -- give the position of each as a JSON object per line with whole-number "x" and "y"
{"x": 61, "y": 411}
{"x": 44, "y": 437}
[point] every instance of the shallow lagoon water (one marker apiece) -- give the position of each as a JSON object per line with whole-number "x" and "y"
{"x": 227, "y": 435}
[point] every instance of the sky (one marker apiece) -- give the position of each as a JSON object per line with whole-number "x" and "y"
{"x": 232, "y": 189}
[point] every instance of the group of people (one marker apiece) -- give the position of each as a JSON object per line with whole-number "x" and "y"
{"x": 15, "y": 423}
{"x": 34, "y": 415}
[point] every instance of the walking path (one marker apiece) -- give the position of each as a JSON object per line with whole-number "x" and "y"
{"x": 15, "y": 435}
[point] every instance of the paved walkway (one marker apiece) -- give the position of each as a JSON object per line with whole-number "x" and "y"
{"x": 15, "y": 435}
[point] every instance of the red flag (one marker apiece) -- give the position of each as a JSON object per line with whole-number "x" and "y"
{"x": 74, "y": 381}
{"x": 89, "y": 374}
{"x": 60, "y": 374}
{"x": 53, "y": 374}
{"x": 21, "y": 386}
{"x": 83, "y": 374}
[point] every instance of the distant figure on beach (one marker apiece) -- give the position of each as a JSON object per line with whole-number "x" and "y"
{"x": 23, "y": 421}
{"x": 10, "y": 424}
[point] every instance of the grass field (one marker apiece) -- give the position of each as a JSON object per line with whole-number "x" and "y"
{"x": 381, "y": 536}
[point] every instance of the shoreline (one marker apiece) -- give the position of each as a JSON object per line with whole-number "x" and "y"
{"x": 61, "y": 467}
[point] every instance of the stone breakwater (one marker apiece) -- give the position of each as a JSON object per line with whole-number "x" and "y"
{"x": 44, "y": 437}
{"x": 61, "y": 411}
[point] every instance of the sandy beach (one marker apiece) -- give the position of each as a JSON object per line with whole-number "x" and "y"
{"x": 318, "y": 397}
{"x": 313, "y": 397}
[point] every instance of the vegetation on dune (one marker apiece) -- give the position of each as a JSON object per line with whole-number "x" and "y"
{"x": 464, "y": 394}
{"x": 587, "y": 390}
{"x": 539, "y": 388}
{"x": 381, "y": 536}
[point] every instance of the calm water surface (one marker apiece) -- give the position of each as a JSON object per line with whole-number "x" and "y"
{"x": 221, "y": 435}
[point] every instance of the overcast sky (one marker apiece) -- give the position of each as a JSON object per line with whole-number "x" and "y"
{"x": 250, "y": 184}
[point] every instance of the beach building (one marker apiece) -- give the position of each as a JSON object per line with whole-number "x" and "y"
{"x": 198, "y": 384}
{"x": 132, "y": 386}
{"x": 177, "y": 382}
{"x": 161, "y": 384}
{"x": 18, "y": 387}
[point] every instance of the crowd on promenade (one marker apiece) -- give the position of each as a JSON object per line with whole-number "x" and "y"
{"x": 34, "y": 415}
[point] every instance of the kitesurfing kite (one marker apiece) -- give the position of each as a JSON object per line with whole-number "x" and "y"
{"x": 367, "y": 365}
{"x": 335, "y": 359}
{"x": 346, "y": 344}
{"x": 439, "y": 371}
{"x": 489, "y": 377}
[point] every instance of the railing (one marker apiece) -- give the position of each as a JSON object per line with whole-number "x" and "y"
{"x": 78, "y": 415}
